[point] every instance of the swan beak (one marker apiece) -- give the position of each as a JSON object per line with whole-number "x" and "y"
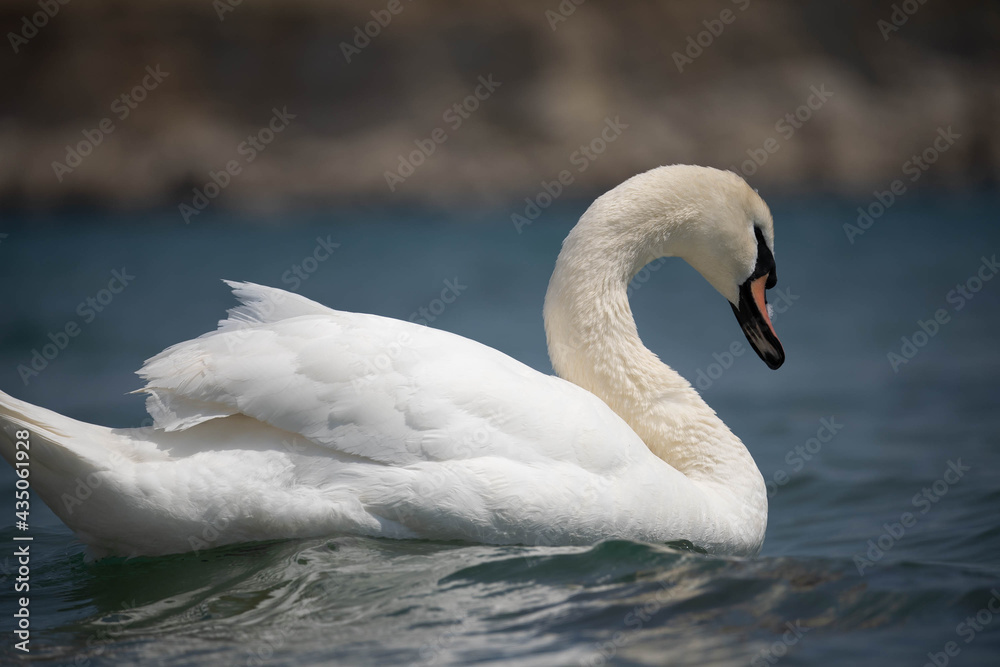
{"x": 756, "y": 322}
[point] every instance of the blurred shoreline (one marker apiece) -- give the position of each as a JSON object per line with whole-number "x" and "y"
{"x": 143, "y": 106}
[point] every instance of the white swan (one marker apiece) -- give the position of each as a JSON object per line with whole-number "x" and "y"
{"x": 294, "y": 420}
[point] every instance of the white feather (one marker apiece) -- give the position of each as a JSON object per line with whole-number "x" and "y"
{"x": 294, "y": 420}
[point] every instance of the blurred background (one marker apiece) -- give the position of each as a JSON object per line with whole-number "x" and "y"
{"x": 378, "y": 156}
{"x": 693, "y": 83}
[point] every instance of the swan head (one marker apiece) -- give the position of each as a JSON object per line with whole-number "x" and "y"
{"x": 724, "y": 230}
{"x": 710, "y": 218}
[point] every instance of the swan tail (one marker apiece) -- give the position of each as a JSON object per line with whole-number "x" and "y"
{"x": 132, "y": 492}
{"x": 64, "y": 445}
{"x": 67, "y": 461}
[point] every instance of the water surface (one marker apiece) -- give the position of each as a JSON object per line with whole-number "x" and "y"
{"x": 822, "y": 592}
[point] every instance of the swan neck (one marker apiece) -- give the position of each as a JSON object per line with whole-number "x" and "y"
{"x": 592, "y": 336}
{"x": 593, "y": 342}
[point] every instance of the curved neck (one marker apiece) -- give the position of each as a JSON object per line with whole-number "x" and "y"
{"x": 593, "y": 342}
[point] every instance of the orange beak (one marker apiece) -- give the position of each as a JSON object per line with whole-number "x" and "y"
{"x": 753, "y": 317}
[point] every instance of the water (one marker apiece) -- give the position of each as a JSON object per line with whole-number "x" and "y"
{"x": 811, "y": 597}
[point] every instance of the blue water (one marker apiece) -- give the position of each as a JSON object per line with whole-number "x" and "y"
{"x": 847, "y": 442}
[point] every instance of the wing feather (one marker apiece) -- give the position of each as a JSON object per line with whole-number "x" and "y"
{"x": 387, "y": 390}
